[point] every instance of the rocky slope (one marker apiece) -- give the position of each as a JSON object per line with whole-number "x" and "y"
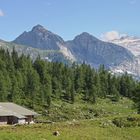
{"x": 42, "y": 39}
{"x": 91, "y": 50}
{"x": 131, "y": 67}
{"x": 130, "y": 43}
{"x": 49, "y": 55}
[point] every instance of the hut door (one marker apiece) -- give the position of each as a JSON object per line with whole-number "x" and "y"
{"x": 10, "y": 120}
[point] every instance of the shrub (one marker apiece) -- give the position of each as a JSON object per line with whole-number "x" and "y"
{"x": 127, "y": 121}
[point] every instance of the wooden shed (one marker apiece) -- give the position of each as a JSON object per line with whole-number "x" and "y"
{"x": 11, "y": 113}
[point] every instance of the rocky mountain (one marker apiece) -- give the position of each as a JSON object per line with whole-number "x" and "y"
{"x": 130, "y": 43}
{"x": 42, "y": 39}
{"x": 91, "y": 50}
{"x": 83, "y": 48}
{"x": 131, "y": 67}
{"x": 49, "y": 55}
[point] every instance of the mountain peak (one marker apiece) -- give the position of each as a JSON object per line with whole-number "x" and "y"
{"x": 41, "y": 38}
{"x": 38, "y": 28}
{"x": 86, "y": 36}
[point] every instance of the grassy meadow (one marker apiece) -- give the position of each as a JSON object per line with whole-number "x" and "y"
{"x": 106, "y": 120}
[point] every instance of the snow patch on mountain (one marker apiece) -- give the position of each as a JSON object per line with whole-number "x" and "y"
{"x": 130, "y": 43}
{"x": 131, "y": 67}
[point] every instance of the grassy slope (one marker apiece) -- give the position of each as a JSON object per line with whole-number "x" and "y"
{"x": 63, "y": 111}
{"x": 95, "y": 128}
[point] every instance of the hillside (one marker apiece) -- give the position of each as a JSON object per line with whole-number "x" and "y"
{"x": 48, "y": 55}
{"x": 36, "y": 84}
{"x": 78, "y": 96}
{"x": 99, "y": 128}
{"x": 81, "y": 110}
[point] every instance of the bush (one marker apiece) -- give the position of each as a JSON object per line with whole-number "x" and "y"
{"x": 127, "y": 121}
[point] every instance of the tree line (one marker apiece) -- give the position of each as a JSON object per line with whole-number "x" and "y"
{"x": 36, "y": 83}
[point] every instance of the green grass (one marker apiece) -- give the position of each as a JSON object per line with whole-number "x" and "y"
{"x": 82, "y": 121}
{"x": 80, "y": 130}
{"x": 63, "y": 111}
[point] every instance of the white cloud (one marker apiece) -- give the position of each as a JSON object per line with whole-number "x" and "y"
{"x": 112, "y": 35}
{"x": 1, "y": 13}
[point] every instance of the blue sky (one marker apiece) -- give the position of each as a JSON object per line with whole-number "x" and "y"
{"x": 69, "y": 17}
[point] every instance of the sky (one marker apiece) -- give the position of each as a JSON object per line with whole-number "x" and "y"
{"x": 69, "y": 18}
